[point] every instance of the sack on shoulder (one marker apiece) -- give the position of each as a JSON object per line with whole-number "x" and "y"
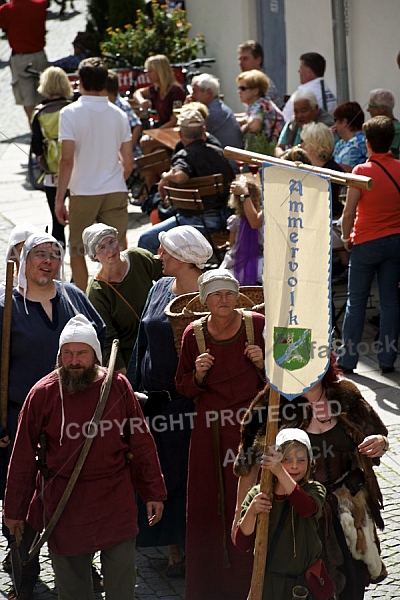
{"x": 319, "y": 582}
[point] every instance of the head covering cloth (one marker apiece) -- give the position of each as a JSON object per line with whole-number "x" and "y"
{"x": 291, "y": 434}
{"x": 78, "y": 330}
{"x": 19, "y": 233}
{"x": 215, "y": 280}
{"x": 187, "y": 244}
{"x": 93, "y": 235}
{"x": 32, "y": 242}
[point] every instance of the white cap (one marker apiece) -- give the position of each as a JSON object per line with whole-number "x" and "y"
{"x": 30, "y": 243}
{"x": 187, "y": 244}
{"x": 80, "y": 329}
{"x": 291, "y": 434}
{"x": 215, "y": 280}
{"x": 19, "y": 234}
{"x": 93, "y": 235}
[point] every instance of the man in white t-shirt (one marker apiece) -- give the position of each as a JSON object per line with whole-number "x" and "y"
{"x": 311, "y": 71}
{"x": 96, "y": 160}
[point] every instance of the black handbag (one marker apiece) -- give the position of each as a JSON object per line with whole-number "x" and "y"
{"x": 152, "y": 201}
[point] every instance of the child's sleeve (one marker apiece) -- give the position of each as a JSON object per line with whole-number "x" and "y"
{"x": 308, "y": 500}
{"x": 232, "y": 223}
{"x": 243, "y": 542}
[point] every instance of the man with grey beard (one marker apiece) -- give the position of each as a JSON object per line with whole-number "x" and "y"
{"x": 101, "y": 513}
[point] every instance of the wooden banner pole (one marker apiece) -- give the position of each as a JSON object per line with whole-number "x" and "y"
{"x": 266, "y": 486}
{"x": 5, "y": 343}
{"x": 358, "y": 181}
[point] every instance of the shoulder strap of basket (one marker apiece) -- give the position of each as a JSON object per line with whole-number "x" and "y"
{"x": 248, "y": 323}
{"x": 199, "y": 335}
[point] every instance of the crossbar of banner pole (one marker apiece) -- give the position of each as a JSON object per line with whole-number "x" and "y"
{"x": 358, "y": 181}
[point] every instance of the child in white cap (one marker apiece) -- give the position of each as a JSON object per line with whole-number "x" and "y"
{"x": 295, "y": 507}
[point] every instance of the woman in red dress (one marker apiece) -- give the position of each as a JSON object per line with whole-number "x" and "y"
{"x": 223, "y": 377}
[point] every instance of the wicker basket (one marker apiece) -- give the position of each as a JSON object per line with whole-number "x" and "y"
{"x": 184, "y": 309}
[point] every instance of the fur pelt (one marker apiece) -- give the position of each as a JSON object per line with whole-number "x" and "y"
{"x": 359, "y": 528}
{"x": 357, "y": 416}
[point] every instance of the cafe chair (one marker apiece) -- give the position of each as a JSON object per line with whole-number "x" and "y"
{"x": 191, "y": 199}
{"x": 153, "y": 164}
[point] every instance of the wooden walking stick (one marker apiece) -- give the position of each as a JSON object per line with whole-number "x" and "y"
{"x": 266, "y": 486}
{"x": 5, "y": 343}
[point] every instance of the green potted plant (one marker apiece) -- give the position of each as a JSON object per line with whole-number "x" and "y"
{"x": 165, "y": 32}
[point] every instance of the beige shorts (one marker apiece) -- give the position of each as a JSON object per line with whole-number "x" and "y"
{"x": 110, "y": 209}
{"x": 25, "y": 84}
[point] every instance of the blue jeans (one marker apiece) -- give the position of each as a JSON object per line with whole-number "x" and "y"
{"x": 380, "y": 257}
{"x": 149, "y": 239}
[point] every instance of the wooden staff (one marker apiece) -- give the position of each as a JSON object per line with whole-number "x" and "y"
{"x": 5, "y": 343}
{"x": 358, "y": 181}
{"x": 266, "y": 486}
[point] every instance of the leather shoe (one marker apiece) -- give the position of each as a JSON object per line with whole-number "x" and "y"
{"x": 176, "y": 569}
{"x": 25, "y": 592}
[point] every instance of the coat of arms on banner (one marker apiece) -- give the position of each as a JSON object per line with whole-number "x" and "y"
{"x": 292, "y": 347}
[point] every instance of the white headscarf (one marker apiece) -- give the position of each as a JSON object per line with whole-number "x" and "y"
{"x": 19, "y": 234}
{"x": 215, "y": 280}
{"x": 187, "y": 244}
{"x": 35, "y": 240}
{"x": 93, "y": 235}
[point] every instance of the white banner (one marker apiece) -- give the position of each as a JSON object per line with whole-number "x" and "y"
{"x": 297, "y": 263}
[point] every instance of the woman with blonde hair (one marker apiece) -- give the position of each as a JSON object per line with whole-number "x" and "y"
{"x": 263, "y": 123}
{"x": 319, "y": 143}
{"x": 163, "y": 92}
{"x": 163, "y": 95}
{"x": 56, "y": 89}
